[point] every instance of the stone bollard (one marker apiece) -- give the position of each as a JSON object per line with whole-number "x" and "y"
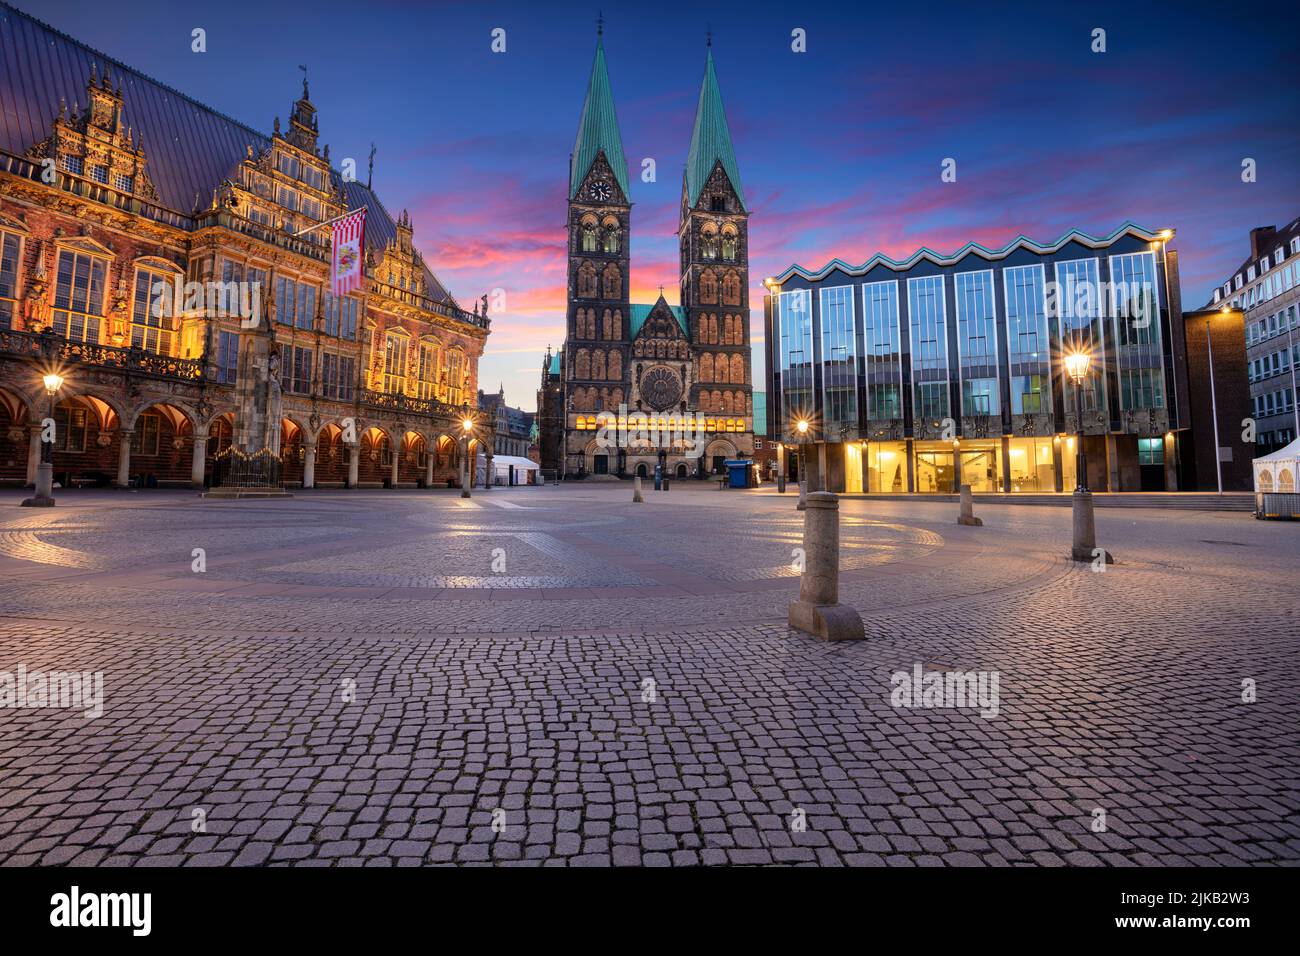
{"x": 967, "y": 515}
{"x": 818, "y": 610}
{"x": 636, "y": 491}
{"x": 803, "y": 496}
{"x": 1085, "y": 530}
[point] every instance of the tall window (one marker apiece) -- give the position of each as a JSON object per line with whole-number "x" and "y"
{"x": 79, "y": 296}
{"x": 340, "y": 316}
{"x": 1079, "y": 326}
{"x": 70, "y": 431}
{"x": 395, "y": 346}
{"x": 295, "y": 370}
{"x": 455, "y": 384}
{"x": 1135, "y": 313}
{"x": 286, "y": 295}
{"x": 839, "y": 360}
{"x": 428, "y": 370}
{"x": 306, "y": 313}
{"x": 144, "y": 440}
{"x": 928, "y": 321}
{"x": 227, "y": 357}
{"x": 9, "y": 245}
{"x": 338, "y": 376}
{"x": 794, "y": 321}
{"x": 1027, "y": 343}
{"x": 977, "y": 342}
{"x": 152, "y": 312}
{"x": 881, "y": 340}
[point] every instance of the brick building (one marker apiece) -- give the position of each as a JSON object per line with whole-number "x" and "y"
{"x": 1218, "y": 333}
{"x": 154, "y": 252}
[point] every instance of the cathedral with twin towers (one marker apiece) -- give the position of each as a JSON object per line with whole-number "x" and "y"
{"x": 665, "y": 361}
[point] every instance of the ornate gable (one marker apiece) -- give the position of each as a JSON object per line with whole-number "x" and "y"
{"x": 95, "y": 144}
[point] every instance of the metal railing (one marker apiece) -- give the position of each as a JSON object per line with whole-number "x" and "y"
{"x": 233, "y": 468}
{"x": 49, "y": 346}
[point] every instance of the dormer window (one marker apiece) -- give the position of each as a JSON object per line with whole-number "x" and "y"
{"x": 99, "y": 174}
{"x": 718, "y": 204}
{"x": 1278, "y": 255}
{"x": 123, "y": 183}
{"x": 73, "y": 164}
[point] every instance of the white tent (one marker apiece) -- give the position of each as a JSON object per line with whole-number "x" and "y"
{"x": 501, "y": 465}
{"x": 1277, "y": 473}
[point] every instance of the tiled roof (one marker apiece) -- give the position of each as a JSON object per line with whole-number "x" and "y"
{"x": 640, "y": 312}
{"x": 598, "y": 130}
{"x": 710, "y": 141}
{"x": 189, "y": 147}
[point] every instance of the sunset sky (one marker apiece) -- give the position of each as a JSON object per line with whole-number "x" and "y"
{"x": 839, "y": 148}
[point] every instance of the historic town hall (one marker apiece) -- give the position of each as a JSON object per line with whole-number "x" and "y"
{"x": 657, "y": 359}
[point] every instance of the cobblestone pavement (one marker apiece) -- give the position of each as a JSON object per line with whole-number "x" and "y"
{"x": 556, "y": 676}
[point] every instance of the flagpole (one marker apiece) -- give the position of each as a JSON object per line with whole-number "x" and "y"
{"x": 321, "y": 225}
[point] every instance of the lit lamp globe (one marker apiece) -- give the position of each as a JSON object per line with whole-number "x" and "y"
{"x": 802, "y": 426}
{"x": 53, "y": 382}
{"x": 1076, "y": 364}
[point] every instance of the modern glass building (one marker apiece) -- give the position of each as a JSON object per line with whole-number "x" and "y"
{"x": 939, "y": 370}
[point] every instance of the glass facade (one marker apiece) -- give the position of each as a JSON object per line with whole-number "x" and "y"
{"x": 928, "y": 319}
{"x": 884, "y": 357}
{"x": 795, "y": 359}
{"x": 1079, "y": 327}
{"x": 839, "y": 363}
{"x": 977, "y": 343}
{"x": 956, "y": 375}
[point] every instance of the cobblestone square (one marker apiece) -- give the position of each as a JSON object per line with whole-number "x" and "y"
{"x": 556, "y": 676}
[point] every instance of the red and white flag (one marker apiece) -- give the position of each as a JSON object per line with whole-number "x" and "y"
{"x": 349, "y": 237}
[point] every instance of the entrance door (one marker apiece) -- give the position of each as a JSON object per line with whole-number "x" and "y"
{"x": 718, "y": 466}
{"x": 601, "y": 464}
{"x": 979, "y": 469}
{"x": 934, "y": 472}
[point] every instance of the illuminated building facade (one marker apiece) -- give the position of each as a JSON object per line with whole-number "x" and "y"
{"x": 162, "y": 255}
{"x": 918, "y": 376}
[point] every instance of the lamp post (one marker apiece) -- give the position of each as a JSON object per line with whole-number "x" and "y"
{"x": 1076, "y": 366}
{"x": 801, "y": 463}
{"x": 1084, "y": 546}
{"x": 465, "y": 469}
{"x": 44, "y": 497}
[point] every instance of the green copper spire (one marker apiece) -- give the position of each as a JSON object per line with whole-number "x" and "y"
{"x": 598, "y": 130}
{"x": 711, "y": 141}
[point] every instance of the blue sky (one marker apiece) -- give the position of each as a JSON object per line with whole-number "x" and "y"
{"x": 839, "y": 147}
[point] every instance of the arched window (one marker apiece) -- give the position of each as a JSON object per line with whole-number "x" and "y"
{"x": 617, "y": 326}
{"x": 720, "y": 369}
{"x": 613, "y": 282}
{"x": 606, "y": 322}
{"x": 395, "y": 352}
{"x": 615, "y": 364}
{"x": 611, "y": 240}
{"x": 589, "y": 234}
{"x": 713, "y": 328}
{"x": 738, "y": 369}
{"x": 708, "y": 287}
{"x": 582, "y": 364}
{"x": 727, "y": 334}
{"x": 597, "y": 364}
{"x": 729, "y": 242}
{"x": 706, "y": 367}
{"x": 731, "y": 289}
{"x": 709, "y": 242}
{"x": 587, "y": 280}
{"x": 455, "y": 376}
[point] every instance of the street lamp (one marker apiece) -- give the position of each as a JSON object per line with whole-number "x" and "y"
{"x": 468, "y": 426}
{"x": 44, "y": 497}
{"x": 1076, "y": 366}
{"x": 801, "y": 429}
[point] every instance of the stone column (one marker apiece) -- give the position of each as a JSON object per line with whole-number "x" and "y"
{"x": 123, "y": 459}
{"x": 198, "y": 462}
{"x": 309, "y": 465}
{"x": 354, "y": 463}
{"x": 428, "y": 469}
{"x": 967, "y": 515}
{"x": 489, "y": 473}
{"x": 397, "y": 460}
{"x": 33, "y": 453}
{"x": 818, "y": 610}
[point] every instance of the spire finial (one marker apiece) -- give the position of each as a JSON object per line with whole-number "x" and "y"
{"x": 304, "y": 81}
{"x": 371, "y": 174}
{"x": 708, "y": 35}
{"x": 600, "y": 24}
